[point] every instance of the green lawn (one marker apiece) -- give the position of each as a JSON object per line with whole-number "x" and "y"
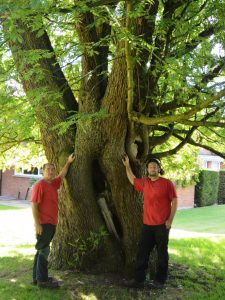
{"x": 201, "y": 260}
{"x": 6, "y": 207}
{"x": 210, "y": 219}
{"x": 197, "y": 264}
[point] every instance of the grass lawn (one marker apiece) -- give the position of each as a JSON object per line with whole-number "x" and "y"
{"x": 197, "y": 262}
{"x": 197, "y": 245}
{"x": 6, "y": 207}
{"x": 209, "y": 219}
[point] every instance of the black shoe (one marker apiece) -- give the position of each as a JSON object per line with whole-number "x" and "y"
{"x": 48, "y": 284}
{"x": 133, "y": 284}
{"x": 50, "y": 279}
{"x": 158, "y": 285}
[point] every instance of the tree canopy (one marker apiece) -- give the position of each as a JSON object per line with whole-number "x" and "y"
{"x": 177, "y": 47}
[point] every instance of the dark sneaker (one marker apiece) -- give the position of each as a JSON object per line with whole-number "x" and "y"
{"x": 51, "y": 279}
{"x": 158, "y": 285}
{"x": 133, "y": 284}
{"x": 48, "y": 284}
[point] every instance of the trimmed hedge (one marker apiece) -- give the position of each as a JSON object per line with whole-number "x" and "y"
{"x": 206, "y": 190}
{"x": 221, "y": 188}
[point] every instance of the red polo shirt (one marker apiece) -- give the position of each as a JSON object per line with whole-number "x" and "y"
{"x": 46, "y": 195}
{"x": 158, "y": 195}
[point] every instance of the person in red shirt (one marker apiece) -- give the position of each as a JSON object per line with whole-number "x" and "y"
{"x": 160, "y": 205}
{"x": 45, "y": 214}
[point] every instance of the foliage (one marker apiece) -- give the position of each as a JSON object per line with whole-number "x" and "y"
{"x": 33, "y": 181}
{"x": 221, "y": 188}
{"x": 83, "y": 119}
{"x": 182, "y": 168}
{"x": 207, "y": 188}
{"x": 20, "y": 140}
{"x": 186, "y": 70}
{"x": 84, "y": 247}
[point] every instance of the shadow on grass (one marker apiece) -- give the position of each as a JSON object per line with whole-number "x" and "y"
{"x": 15, "y": 283}
{"x": 198, "y": 252}
{"x": 196, "y": 272}
{"x": 201, "y": 266}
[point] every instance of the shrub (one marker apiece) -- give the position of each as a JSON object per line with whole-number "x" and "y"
{"x": 221, "y": 188}
{"x": 206, "y": 190}
{"x": 82, "y": 248}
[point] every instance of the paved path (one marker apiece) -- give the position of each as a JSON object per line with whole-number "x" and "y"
{"x": 181, "y": 234}
{"x": 175, "y": 233}
{"x": 4, "y": 200}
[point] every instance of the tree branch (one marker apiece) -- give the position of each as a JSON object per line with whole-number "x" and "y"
{"x": 130, "y": 78}
{"x": 214, "y": 71}
{"x": 145, "y": 27}
{"x": 159, "y": 140}
{"x": 192, "y": 142}
{"x": 90, "y": 4}
{"x": 178, "y": 147}
{"x": 140, "y": 118}
{"x": 203, "y": 123}
{"x": 94, "y": 59}
{"x": 190, "y": 46}
{"x": 206, "y": 78}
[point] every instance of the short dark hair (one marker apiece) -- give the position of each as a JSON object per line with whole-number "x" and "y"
{"x": 44, "y": 166}
{"x": 157, "y": 161}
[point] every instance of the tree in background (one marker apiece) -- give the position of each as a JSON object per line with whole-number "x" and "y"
{"x": 101, "y": 78}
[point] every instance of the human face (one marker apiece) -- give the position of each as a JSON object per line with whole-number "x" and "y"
{"x": 153, "y": 170}
{"x": 49, "y": 172}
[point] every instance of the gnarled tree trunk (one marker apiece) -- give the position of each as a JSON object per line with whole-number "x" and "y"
{"x": 97, "y": 172}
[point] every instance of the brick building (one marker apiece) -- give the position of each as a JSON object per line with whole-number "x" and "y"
{"x": 210, "y": 160}
{"x": 18, "y": 185}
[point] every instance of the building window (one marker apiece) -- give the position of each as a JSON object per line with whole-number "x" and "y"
{"x": 33, "y": 171}
{"x": 216, "y": 165}
{"x": 209, "y": 165}
{"x": 213, "y": 165}
{"x": 204, "y": 164}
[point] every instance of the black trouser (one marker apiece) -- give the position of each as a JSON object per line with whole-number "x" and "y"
{"x": 40, "y": 267}
{"x": 158, "y": 236}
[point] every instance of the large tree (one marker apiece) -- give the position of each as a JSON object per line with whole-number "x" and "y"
{"x": 104, "y": 77}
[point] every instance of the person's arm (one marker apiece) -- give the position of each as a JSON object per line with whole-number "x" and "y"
{"x": 65, "y": 169}
{"x": 172, "y": 213}
{"x": 38, "y": 227}
{"x": 129, "y": 172}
